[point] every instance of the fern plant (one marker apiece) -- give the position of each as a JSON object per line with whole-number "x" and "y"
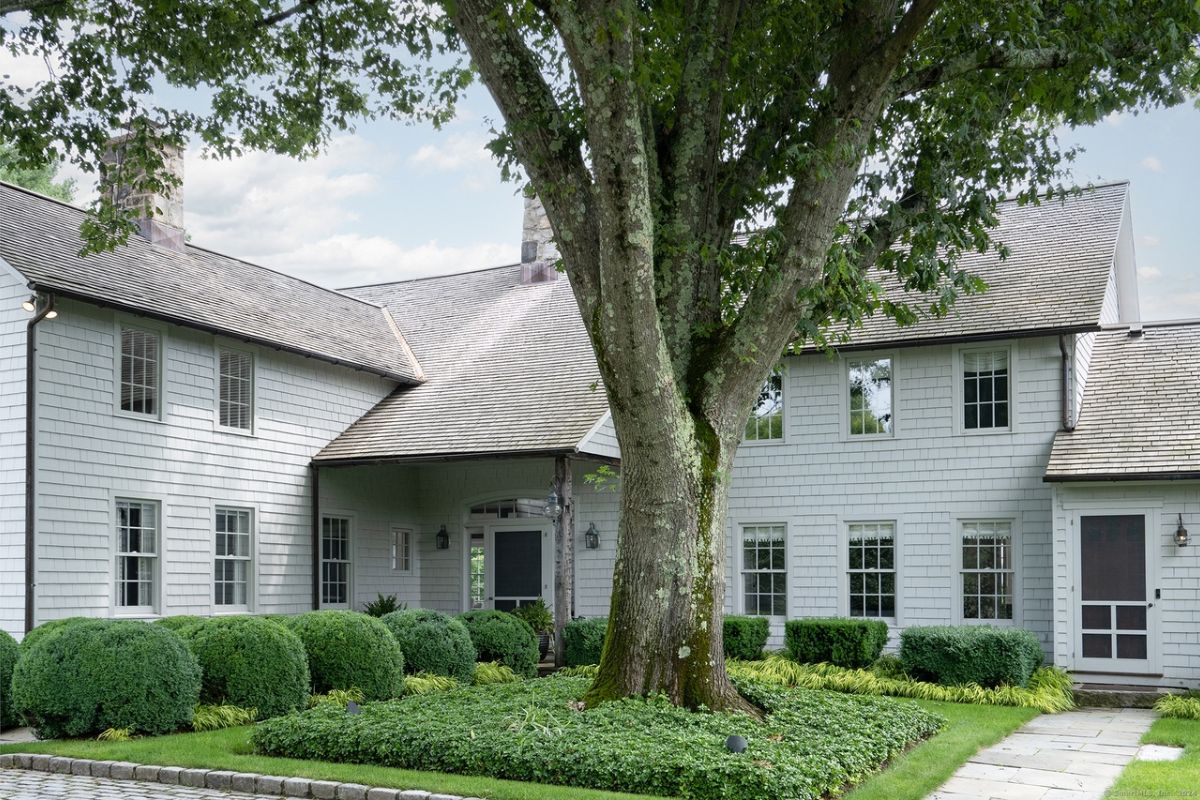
{"x": 383, "y": 604}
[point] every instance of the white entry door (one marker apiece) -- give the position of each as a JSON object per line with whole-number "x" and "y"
{"x": 518, "y": 565}
{"x": 1115, "y": 616}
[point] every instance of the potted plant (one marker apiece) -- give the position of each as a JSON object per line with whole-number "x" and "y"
{"x": 539, "y": 618}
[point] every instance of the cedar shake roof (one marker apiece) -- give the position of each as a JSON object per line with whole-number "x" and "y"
{"x": 1140, "y": 418}
{"x": 1060, "y": 255}
{"x": 39, "y": 237}
{"x": 510, "y": 370}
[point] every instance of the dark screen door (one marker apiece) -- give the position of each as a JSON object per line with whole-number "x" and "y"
{"x": 517, "y": 568}
{"x": 1115, "y": 603}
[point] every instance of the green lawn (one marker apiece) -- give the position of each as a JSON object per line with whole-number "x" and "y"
{"x": 910, "y": 777}
{"x": 926, "y": 767}
{"x": 230, "y": 749}
{"x": 1164, "y": 778}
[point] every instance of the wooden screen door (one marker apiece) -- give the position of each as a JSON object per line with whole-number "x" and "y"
{"x": 1115, "y": 616}
{"x": 517, "y": 568}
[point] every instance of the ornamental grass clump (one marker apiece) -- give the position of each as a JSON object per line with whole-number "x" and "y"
{"x": 347, "y": 649}
{"x": 433, "y": 642}
{"x": 102, "y": 674}
{"x": 498, "y": 636}
{"x": 810, "y": 744}
{"x": 1049, "y": 689}
{"x": 249, "y": 662}
{"x": 1179, "y": 707}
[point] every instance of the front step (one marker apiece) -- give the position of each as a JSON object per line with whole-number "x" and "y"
{"x": 1109, "y": 695}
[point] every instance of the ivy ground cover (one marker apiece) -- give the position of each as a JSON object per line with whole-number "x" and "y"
{"x": 810, "y": 743}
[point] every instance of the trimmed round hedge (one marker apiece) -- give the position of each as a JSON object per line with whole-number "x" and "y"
{"x": 10, "y": 651}
{"x": 498, "y": 636}
{"x": 433, "y": 642}
{"x": 348, "y": 649}
{"x": 107, "y": 674}
{"x": 50, "y": 627}
{"x": 181, "y": 622}
{"x": 250, "y": 662}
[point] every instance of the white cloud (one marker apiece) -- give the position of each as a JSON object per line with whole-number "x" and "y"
{"x": 1179, "y": 305}
{"x": 1115, "y": 118}
{"x": 1152, "y": 163}
{"x": 1149, "y": 273}
{"x": 354, "y": 260}
{"x": 455, "y": 152}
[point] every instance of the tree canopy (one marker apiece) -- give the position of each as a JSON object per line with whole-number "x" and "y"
{"x": 41, "y": 178}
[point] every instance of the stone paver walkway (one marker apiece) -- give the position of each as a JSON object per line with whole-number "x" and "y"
{"x": 1072, "y": 756}
{"x": 20, "y": 784}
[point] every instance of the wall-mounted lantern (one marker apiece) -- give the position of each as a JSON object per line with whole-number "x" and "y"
{"x": 443, "y": 539}
{"x": 591, "y": 539}
{"x": 553, "y": 509}
{"x": 1181, "y": 534}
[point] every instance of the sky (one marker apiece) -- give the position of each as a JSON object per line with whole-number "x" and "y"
{"x": 392, "y": 201}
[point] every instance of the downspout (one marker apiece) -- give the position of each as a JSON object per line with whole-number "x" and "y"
{"x": 316, "y": 535}
{"x": 1068, "y": 391}
{"x": 45, "y": 307}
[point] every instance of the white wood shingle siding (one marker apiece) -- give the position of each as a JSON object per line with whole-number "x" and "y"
{"x": 90, "y": 454}
{"x": 13, "y": 321}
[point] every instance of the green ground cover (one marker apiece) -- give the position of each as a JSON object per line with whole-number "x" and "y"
{"x": 1164, "y": 779}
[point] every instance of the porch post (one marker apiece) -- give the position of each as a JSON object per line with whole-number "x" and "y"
{"x": 564, "y": 557}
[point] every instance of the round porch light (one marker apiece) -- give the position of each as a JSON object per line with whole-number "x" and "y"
{"x": 30, "y": 305}
{"x": 591, "y": 539}
{"x": 1181, "y": 534}
{"x": 443, "y": 539}
{"x": 553, "y": 504}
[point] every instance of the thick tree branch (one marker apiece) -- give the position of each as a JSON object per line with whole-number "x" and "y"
{"x": 276, "y": 18}
{"x": 16, "y": 6}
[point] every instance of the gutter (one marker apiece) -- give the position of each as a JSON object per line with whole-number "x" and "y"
{"x": 1068, "y": 421}
{"x": 1126, "y": 477}
{"x": 421, "y": 458}
{"x": 46, "y": 306}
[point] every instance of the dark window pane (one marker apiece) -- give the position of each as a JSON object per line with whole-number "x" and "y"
{"x": 1131, "y": 645}
{"x": 1097, "y": 618}
{"x": 1131, "y": 618}
{"x": 1002, "y": 415}
{"x": 971, "y": 390}
{"x": 1097, "y": 645}
{"x": 1113, "y": 557}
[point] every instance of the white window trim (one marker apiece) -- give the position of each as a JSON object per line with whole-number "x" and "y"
{"x": 844, "y": 399}
{"x": 146, "y": 326}
{"x": 351, "y": 530}
{"x": 411, "y": 533}
{"x": 844, "y": 565}
{"x": 783, "y": 411}
{"x": 958, "y": 351}
{"x": 739, "y": 527}
{"x": 154, "y": 610}
{"x": 956, "y": 525}
{"x": 252, "y": 570}
{"x": 252, "y": 430}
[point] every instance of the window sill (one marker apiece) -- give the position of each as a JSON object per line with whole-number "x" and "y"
{"x": 249, "y": 434}
{"x": 154, "y": 418}
{"x": 764, "y": 442}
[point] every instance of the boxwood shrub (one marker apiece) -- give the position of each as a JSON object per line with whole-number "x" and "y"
{"x": 51, "y": 626}
{"x": 745, "y": 637}
{"x": 348, "y": 649}
{"x": 433, "y": 642}
{"x": 251, "y": 663}
{"x": 851, "y": 643}
{"x": 180, "y": 622}
{"x": 811, "y": 745}
{"x": 104, "y": 674}
{"x": 9, "y": 652}
{"x": 584, "y": 640}
{"x": 498, "y": 636}
{"x": 981, "y": 654}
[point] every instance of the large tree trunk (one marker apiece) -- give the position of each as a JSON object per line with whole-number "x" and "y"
{"x": 668, "y": 592}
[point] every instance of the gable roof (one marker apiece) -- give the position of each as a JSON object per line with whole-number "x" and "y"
{"x": 39, "y": 237}
{"x": 1138, "y": 420}
{"x": 1061, "y": 253}
{"x": 510, "y": 370}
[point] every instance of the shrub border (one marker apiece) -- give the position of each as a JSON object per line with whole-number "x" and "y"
{"x": 223, "y": 780}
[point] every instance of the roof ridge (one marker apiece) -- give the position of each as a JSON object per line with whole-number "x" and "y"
{"x": 430, "y": 277}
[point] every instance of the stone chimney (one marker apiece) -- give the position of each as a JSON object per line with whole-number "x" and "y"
{"x": 159, "y": 215}
{"x": 539, "y": 253}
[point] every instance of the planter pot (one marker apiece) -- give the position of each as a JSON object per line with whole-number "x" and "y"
{"x": 543, "y": 645}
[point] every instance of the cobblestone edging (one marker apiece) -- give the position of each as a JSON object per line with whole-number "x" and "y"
{"x": 222, "y": 780}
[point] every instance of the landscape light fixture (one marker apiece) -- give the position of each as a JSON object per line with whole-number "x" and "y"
{"x": 1181, "y": 534}
{"x": 591, "y": 539}
{"x": 443, "y": 539}
{"x": 736, "y": 744}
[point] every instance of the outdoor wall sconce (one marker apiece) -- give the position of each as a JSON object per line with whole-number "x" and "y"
{"x": 1181, "y": 534}
{"x": 553, "y": 507}
{"x": 443, "y": 539}
{"x": 591, "y": 539}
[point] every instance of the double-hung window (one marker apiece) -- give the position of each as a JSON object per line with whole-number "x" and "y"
{"x": 233, "y": 564}
{"x": 141, "y": 362}
{"x": 137, "y": 556}
{"x": 872, "y": 569}
{"x": 870, "y": 387}
{"x": 766, "y": 420}
{"x": 764, "y": 570}
{"x": 988, "y": 570}
{"x": 235, "y": 399}
{"x": 985, "y": 389}
{"x": 402, "y": 549}
{"x": 335, "y": 561}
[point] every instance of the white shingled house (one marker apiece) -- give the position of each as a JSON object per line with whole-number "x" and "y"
{"x": 182, "y": 432}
